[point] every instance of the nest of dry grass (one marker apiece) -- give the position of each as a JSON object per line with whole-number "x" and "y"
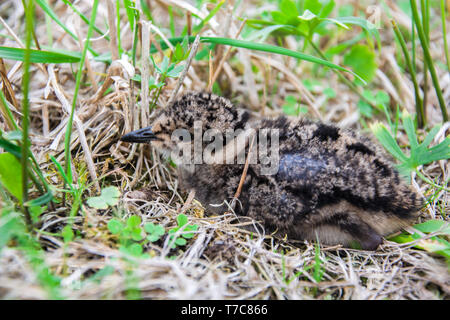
{"x": 223, "y": 261}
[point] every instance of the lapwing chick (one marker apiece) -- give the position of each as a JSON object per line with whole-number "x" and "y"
{"x": 319, "y": 182}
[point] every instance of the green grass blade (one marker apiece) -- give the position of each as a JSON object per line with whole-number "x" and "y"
{"x": 77, "y": 87}
{"x": 421, "y": 120}
{"x": 257, "y": 47}
{"x": 49, "y": 11}
{"x": 275, "y": 49}
{"x": 211, "y": 14}
{"x": 29, "y": 16}
{"x": 86, "y": 20}
{"x": 429, "y": 60}
{"x": 444, "y": 32}
{"x": 37, "y": 56}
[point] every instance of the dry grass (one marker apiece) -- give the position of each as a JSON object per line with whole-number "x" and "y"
{"x": 222, "y": 261}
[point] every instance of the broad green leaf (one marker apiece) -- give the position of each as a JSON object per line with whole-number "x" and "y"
{"x": 366, "y": 25}
{"x": 153, "y": 237}
{"x": 180, "y": 242}
{"x": 11, "y": 174}
{"x": 11, "y": 148}
{"x": 433, "y": 226}
{"x": 190, "y": 234}
{"x": 327, "y": 9}
{"x": 134, "y": 221}
{"x": 362, "y": 59}
{"x": 108, "y": 197}
{"x": 329, "y": 92}
{"x": 135, "y": 249}
{"x": 35, "y": 212}
{"x": 182, "y": 219}
{"x": 115, "y": 226}
{"x": 111, "y": 195}
{"x": 279, "y": 17}
{"x": 313, "y": 5}
{"x": 136, "y": 234}
{"x": 152, "y": 228}
{"x": 288, "y": 7}
{"x": 175, "y": 72}
{"x": 13, "y": 135}
{"x": 307, "y": 16}
{"x": 382, "y": 98}
{"x": 11, "y": 224}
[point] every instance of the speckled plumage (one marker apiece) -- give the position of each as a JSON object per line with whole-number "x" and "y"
{"x": 332, "y": 184}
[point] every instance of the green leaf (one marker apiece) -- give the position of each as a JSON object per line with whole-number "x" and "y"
{"x": 432, "y": 226}
{"x": 136, "y": 234}
{"x": 11, "y": 148}
{"x": 35, "y": 212}
{"x": 388, "y": 142}
{"x": 38, "y": 56}
{"x": 279, "y": 17}
{"x": 44, "y": 199}
{"x": 329, "y": 92}
{"x": 155, "y": 229}
{"x": 382, "y": 98}
{"x": 175, "y": 72}
{"x": 364, "y": 108}
{"x": 180, "y": 242}
{"x": 274, "y": 49}
{"x": 292, "y": 106}
{"x": 362, "y": 59}
{"x": 115, "y": 226}
{"x": 67, "y": 234}
{"x": 313, "y": 5}
{"x": 134, "y": 249}
{"x": 153, "y": 237}
{"x": 11, "y": 174}
{"x": 133, "y": 221}
{"x": 366, "y": 25}
{"x": 182, "y": 219}
{"x": 131, "y": 11}
{"x": 257, "y": 47}
{"x": 190, "y": 228}
{"x": 289, "y": 8}
{"x": 108, "y": 197}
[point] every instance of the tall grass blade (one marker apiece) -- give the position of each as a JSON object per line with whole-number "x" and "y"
{"x": 421, "y": 120}
{"x": 29, "y": 13}
{"x": 68, "y": 159}
{"x": 37, "y": 56}
{"x": 429, "y": 59}
{"x": 49, "y": 11}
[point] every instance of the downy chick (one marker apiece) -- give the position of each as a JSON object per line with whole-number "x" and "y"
{"x": 330, "y": 184}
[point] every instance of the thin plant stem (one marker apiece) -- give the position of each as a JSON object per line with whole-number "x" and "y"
{"x": 424, "y": 6}
{"x": 77, "y": 87}
{"x": 421, "y": 121}
{"x": 429, "y": 59}
{"x": 26, "y": 110}
{"x": 444, "y": 34}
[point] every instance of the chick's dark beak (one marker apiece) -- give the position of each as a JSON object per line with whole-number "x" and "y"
{"x": 140, "y": 136}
